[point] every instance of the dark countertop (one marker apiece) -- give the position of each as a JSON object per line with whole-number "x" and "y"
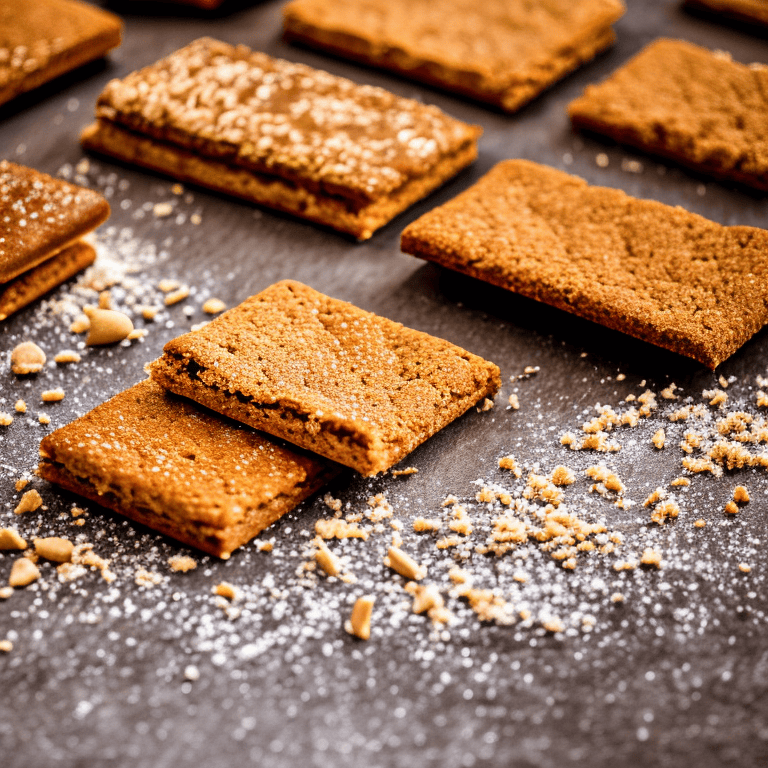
{"x": 101, "y": 673}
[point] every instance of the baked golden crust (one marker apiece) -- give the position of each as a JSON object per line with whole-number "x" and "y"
{"x": 504, "y": 52}
{"x": 40, "y": 216}
{"x": 741, "y": 10}
{"x": 42, "y": 39}
{"x": 347, "y": 384}
{"x": 179, "y": 469}
{"x": 36, "y": 282}
{"x": 684, "y": 102}
{"x": 217, "y": 112}
{"x": 658, "y": 273}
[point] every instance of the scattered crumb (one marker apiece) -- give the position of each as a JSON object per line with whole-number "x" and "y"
{"x": 659, "y": 439}
{"x": 11, "y": 539}
{"x": 52, "y": 395}
{"x": 404, "y": 564}
{"x": 510, "y": 463}
{"x": 80, "y": 324}
{"x": 21, "y": 484}
{"x": 20, "y": 407}
{"x": 174, "y": 297}
{"x": 148, "y": 579}
{"x": 731, "y": 508}
{"x": 329, "y": 562}
{"x": 6, "y": 646}
{"x": 562, "y": 475}
{"x": 359, "y": 623}
{"x": 226, "y": 590}
{"x": 214, "y": 306}
{"x": 29, "y": 502}
{"x": 162, "y": 210}
{"x": 651, "y": 557}
{"x": 149, "y": 313}
{"x": 424, "y": 525}
{"x": 339, "y": 529}
{"x": 23, "y": 572}
{"x": 27, "y": 358}
{"x": 55, "y": 549}
{"x": 740, "y": 494}
{"x": 105, "y": 300}
{"x": 182, "y": 563}
{"x": 514, "y": 402}
{"x": 700, "y": 523}
{"x": 67, "y": 356}
{"x": 406, "y": 471}
{"x": 44, "y": 418}
{"x": 5, "y": 419}
{"x": 486, "y": 405}
{"x": 745, "y": 568}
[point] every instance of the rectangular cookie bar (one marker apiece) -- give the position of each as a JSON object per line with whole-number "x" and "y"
{"x": 655, "y": 272}
{"x": 179, "y": 469}
{"x": 684, "y": 102}
{"x": 280, "y": 134}
{"x": 42, "y": 223}
{"x": 42, "y": 39}
{"x": 503, "y": 52}
{"x": 352, "y": 386}
{"x": 741, "y": 10}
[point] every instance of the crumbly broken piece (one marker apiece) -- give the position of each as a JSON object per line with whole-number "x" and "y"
{"x": 404, "y": 472}
{"x": 174, "y": 297}
{"x": 182, "y": 563}
{"x": 23, "y": 572}
{"x": 10, "y": 538}
{"x": 514, "y": 402}
{"x": 651, "y": 557}
{"x": 188, "y": 473}
{"x": 501, "y": 53}
{"x": 404, "y": 564}
{"x": 214, "y": 306}
{"x": 6, "y": 646}
{"x": 52, "y": 395}
{"x": 27, "y": 358}
{"x": 339, "y": 529}
{"x": 326, "y": 559}
{"x": 687, "y": 103}
{"x": 67, "y": 356}
{"x": 509, "y": 463}
{"x": 740, "y": 494}
{"x": 54, "y": 548}
{"x": 80, "y": 324}
{"x": 29, "y": 502}
{"x": 20, "y": 407}
{"x": 347, "y": 384}
{"x": 636, "y": 266}
{"x": 44, "y": 418}
{"x": 281, "y": 134}
{"x": 562, "y": 475}
{"x": 226, "y": 590}
{"x": 5, "y": 419}
{"x": 425, "y": 525}
{"x": 659, "y": 439}
{"x": 359, "y": 622}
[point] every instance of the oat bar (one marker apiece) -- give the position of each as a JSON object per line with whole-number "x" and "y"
{"x": 42, "y": 223}
{"x": 42, "y": 39}
{"x": 347, "y": 384}
{"x": 678, "y": 100}
{"x": 655, "y": 272}
{"x": 503, "y": 52}
{"x": 748, "y": 11}
{"x": 180, "y": 469}
{"x": 280, "y": 134}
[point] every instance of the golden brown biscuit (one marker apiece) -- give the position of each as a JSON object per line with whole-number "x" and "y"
{"x": 42, "y": 39}
{"x": 347, "y": 384}
{"x": 281, "y": 134}
{"x": 36, "y": 282}
{"x": 179, "y": 469}
{"x": 687, "y": 103}
{"x": 659, "y": 273}
{"x": 504, "y": 52}
{"x": 742, "y": 10}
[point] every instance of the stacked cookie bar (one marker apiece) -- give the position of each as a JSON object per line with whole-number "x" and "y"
{"x": 354, "y": 388}
{"x": 42, "y": 223}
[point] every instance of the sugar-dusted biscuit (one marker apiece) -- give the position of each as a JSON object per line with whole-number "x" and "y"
{"x": 42, "y": 222}
{"x": 689, "y": 104}
{"x": 503, "y": 52}
{"x": 321, "y": 373}
{"x": 656, "y": 272}
{"x": 180, "y": 469}
{"x": 281, "y": 134}
{"x": 742, "y": 10}
{"x": 36, "y": 282}
{"x": 42, "y": 39}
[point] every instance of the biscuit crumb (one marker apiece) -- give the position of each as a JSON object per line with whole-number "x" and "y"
{"x": 508, "y": 462}
{"x": 149, "y": 313}
{"x": 29, "y": 502}
{"x": 326, "y": 559}
{"x": 745, "y": 568}
{"x": 174, "y": 297}
{"x": 177, "y": 189}
{"x": 148, "y": 579}
{"x": 67, "y": 356}
{"x": 617, "y": 597}
{"x": 11, "y": 539}
{"x": 740, "y": 494}
{"x": 52, "y": 395}
{"x": 359, "y": 623}
{"x": 553, "y": 624}
{"x": 406, "y": 471}
{"x": 716, "y": 397}
{"x": 664, "y": 511}
{"x": 6, "y": 646}
{"x": 659, "y": 439}
{"x": 448, "y": 500}
{"x": 54, "y": 548}
{"x": 5, "y": 419}
{"x": 486, "y": 405}
{"x": 404, "y": 564}
{"x": 514, "y": 402}
{"x": 44, "y": 418}
{"x": 105, "y": 300}
{"x": 182, "y": 563}
{"x": 21, "y": 484}
{"x": 80, "y": 324}
{"x": 651, "y": 557}
{"x": 6, "y": 592}
{"x": 20, "y": 406}
{"x": 668, "y": 393}
{"x": 137, "y": 333}
{"x": 332, "y": 503}
{"x": 731, "y": 508}
{"x": 424, "y": 525}
{"x": 227, "y": 590}
{"x": 196, "y": 219}
{"x": 700, "y": 523}
{"x": 562, "y": 475}
{"x": 23, "y": 572}
{"x": 684, "y": 481}
{"x": 723, "y": 382}
{"x": 214, "y": 306}
{"x": 27, "y": 358}
{"x": 339, "y": 529}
